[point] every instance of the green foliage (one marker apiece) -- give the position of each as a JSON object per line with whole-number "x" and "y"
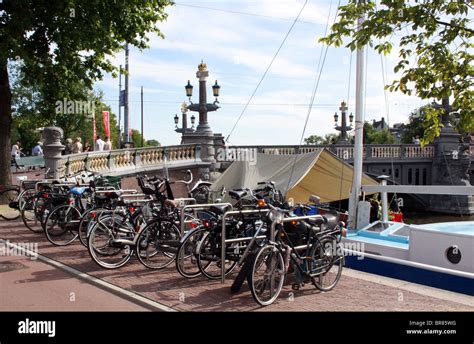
{"x": 313, "y": 140}
{"x": 152, "y": 143}
{"x": 28, "y": 118}
{"x": 319, "y": 140}
{"x": 137, "y": 140}
{"x": 63, "y": 47}
{"x": 441, "y": 49}
{"x": 374, "y": 136}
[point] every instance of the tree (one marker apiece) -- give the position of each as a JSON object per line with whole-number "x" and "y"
{"x": 374, "y": 136}
{"x": 152, "y": 143}
{"x": 28, "y": 117}
{"x": 136, "y": 138}
{"x": 313, "y": 140}
{"x": 440, "y": 43}
{"x": 63, "y": 48}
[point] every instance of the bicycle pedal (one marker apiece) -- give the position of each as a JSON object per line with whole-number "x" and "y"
{"x": 295, "y": 286}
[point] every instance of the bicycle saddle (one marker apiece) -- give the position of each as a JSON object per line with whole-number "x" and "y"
{"x": 78, "y": 191}
{"x": 219, "y": 209}
{"x": 331, "y": 220}
{"x": 237, "y": 193}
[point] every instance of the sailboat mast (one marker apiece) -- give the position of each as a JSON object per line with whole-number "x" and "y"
{"x": 359, "y": 131}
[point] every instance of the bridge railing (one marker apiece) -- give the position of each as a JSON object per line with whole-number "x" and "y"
{"x": 125, "y": 161}
{"x": 346, "y": 152}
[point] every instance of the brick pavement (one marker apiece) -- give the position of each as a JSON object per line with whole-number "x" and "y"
{"x": 169, "y": 288}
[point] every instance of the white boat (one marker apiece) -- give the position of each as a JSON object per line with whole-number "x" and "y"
{"x": 438, "y": 254}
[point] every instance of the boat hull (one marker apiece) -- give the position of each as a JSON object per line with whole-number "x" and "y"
{"x": 459, "y": 284}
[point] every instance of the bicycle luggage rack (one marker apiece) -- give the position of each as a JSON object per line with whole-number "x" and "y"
{"x": 224, "y": 240}
{"x": 199, "y": 207}
{"x": 289, "y": 219}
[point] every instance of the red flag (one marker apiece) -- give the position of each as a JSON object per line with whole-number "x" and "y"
{"x": 105, "y": 115}
{"x": 94, "y": 128}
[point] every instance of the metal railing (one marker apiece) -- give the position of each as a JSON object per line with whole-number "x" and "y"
{"x": 199, "y": 207}
{"x": 224, "y": 240}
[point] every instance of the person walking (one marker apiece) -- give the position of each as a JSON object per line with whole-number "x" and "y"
{"x": 87, "y": 147}
{"x": 16, "y": 150}
{"x": 108, "y": 144}
{"x": 37, "y": 150}
{"x": 68, "y": 148}
{"x": 77, "y": 147}
{"x": 99, "y": 144}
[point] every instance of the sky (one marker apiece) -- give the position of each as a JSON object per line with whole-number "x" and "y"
{"x": 237, "y": 39}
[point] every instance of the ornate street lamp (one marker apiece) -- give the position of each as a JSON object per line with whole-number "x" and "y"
{"x": 176, "y": 120}
{"x": 215, "y": 90}
{"x": 203, "y": 107}
{"x": 189, "y": 90}
{"x": 184, "y": 128}
{"x": 343, "y": 128}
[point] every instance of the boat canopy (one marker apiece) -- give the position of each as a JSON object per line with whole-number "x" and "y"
{"x": 298, "y": 176}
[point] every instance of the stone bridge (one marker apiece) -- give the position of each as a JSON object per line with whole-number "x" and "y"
{"x": 408, "y": 164}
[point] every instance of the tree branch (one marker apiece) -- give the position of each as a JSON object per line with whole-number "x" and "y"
{"x": 453, "y": 26}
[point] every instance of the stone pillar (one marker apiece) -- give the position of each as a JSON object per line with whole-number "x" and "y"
{"x": 451, "y": 167}
{"x": 52, "y": 150}
{"x": 202, "y": 74}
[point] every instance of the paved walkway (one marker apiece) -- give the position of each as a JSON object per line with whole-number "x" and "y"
{"x": 355, "y": 292}
{"x": 31, "y": 285}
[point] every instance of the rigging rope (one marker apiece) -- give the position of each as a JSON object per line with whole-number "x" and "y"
{"x": 315, "y": 89}
{"x": 266, "y": 71}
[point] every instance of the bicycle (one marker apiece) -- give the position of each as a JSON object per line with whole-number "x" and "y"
{"x": 320, "y": 262}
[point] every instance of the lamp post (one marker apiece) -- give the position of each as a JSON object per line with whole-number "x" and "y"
{"x": 203, "y": 107}
{"x": 343, "y": 128}
{"x": 184, "y": 128}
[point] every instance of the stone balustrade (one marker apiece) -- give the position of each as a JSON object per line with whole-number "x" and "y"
{"x": 346, "y": 152}
{"x": 128, "y": 161}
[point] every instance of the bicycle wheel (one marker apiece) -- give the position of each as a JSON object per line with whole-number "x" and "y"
{"x": 209, "y": 257}
{"x": 327, "y": 262}
{"x": 187, "y": 256}
{"x": 24, "y": 197}
{"x": 88, "y": 219}
{"x": 29, "y": 215}
{"x": 8, "y": 196}
{"x": 268, "y": 275}
{"x": 62, "y": 224}
{"x": 157, "y": 243}
{"x": 110, "y": 241}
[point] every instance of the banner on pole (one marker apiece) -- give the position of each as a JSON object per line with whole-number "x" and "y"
{"x": 122, "y": 98}
{"x": 105, "y": 115}
{"x": 94, "y": 129}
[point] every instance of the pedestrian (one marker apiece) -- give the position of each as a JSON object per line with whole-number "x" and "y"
{"x": 108, "y": 144}
{"x": 37, "y": 150}
{"x": 16, "y": 150}
{"x": 416, "y": 140}
{"x": 68, "y": 147}
{"x": 77, "y": 147}
{"x": 87, "y": 147}
{"x": 99, "y": 144}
